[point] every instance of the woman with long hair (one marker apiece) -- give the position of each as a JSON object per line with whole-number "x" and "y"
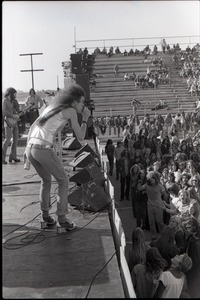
{"x": 110, "y": 152}
{"x": 166, "y": 244}
{"x": 145, "y": 276}
{"x": 40, "y": 148}
{"x": 137, "y": 253}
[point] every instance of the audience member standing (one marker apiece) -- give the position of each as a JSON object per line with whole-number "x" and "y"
{"x": 116, "y": 69}
{"x": 11, "y": 127}
{"x": 173, "y": 281}
{"x": 125, "y": 165}
{"x": 118, "y": 150}
{"x": 137, "y": 253}
{"x": 134, "y": 172}
{"x": 166, "y": 244}
{"x": 163, "y": 45}
{"x": 145, "y": 276}
{"x": 155, "y": 191}
{"x": 110, "y": 150}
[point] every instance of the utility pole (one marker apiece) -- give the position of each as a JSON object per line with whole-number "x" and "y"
{"x": 31, "y": 70}
{"x": 58, "y": 83}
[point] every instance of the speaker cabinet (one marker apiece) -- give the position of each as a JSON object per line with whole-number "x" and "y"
{"x": 89, "y": 173}
{"x": 71, "y": 143}
{"x": 83, "y": 81}
{"x": 82, "y": 160}
{"x": 86, "y": 148}
{"x": 89, "y": 196}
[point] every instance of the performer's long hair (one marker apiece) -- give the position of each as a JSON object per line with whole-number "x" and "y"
{"x": 63, "y": 99}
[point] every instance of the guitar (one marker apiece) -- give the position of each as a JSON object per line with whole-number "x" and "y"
{"x": 11, "y": 122}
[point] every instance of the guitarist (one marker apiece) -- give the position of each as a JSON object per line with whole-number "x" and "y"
{"x": 36, "y": 102}
{"x": 8, "y": 110}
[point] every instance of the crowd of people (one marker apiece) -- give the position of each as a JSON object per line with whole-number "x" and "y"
{"x": 175, "y": 125}
{"x": 160, "y": 174}
{"x": 190, "y": 70}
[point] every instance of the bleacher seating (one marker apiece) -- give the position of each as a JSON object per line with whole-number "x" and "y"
{"x": 113, "y": 94}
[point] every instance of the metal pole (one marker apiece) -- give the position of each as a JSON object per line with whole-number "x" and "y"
{"x": 57, "y": 82}
{"x": 75, "y": 38}
{"x": 32, "y": 71}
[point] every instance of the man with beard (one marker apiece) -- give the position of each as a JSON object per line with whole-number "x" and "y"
{"x": 11, "y": 127}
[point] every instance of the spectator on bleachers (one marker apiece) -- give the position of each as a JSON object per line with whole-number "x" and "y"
{"x": 131, "y": 52}
{"x": 137, "y": 253}
{"x": 80, "y": 51}
{"x": 145, "y": 276}
{"x": 155, "y": 50}
{"x": 125, "y": 53}
{"x": 117, "y": 51}
{"x": 116, "y": 69}
{"x": 126, "y": 77}
{"x": 110, "y": 52}
{"x": 104, "y": 51}
{"x": 97, "y": 51}
{"x": 163, "y": 45}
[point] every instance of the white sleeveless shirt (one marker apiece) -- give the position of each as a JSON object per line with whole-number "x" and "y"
{"x": 48, "y": 131}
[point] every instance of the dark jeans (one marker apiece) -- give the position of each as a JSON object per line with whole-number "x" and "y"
{"x": 111, "y": 164}
{"x": 134, "y": 200}
{"x": 125, "y": 186}
{"x": 117, "y": 163}
{"x": 141, "y": 213}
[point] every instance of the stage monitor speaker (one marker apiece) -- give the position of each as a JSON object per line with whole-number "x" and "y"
{"x": 86, "y": 148}
{"x": 89, "y": 196}
{"x": 81, "y": 161}
{"x": 89, "y": 173}
{"x": 71, "y": 143}
{"x": 83, "y": 81}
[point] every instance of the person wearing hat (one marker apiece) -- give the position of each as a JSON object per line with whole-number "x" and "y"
{"x": 10, "y": 124}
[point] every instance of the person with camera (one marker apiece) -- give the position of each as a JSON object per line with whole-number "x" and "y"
{"x": 40, "y": 148}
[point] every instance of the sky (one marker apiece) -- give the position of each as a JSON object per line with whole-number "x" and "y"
{"x": 53, "y": 28}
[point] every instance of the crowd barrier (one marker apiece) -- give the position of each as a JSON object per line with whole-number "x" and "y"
{"x": 117, "y": 229}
